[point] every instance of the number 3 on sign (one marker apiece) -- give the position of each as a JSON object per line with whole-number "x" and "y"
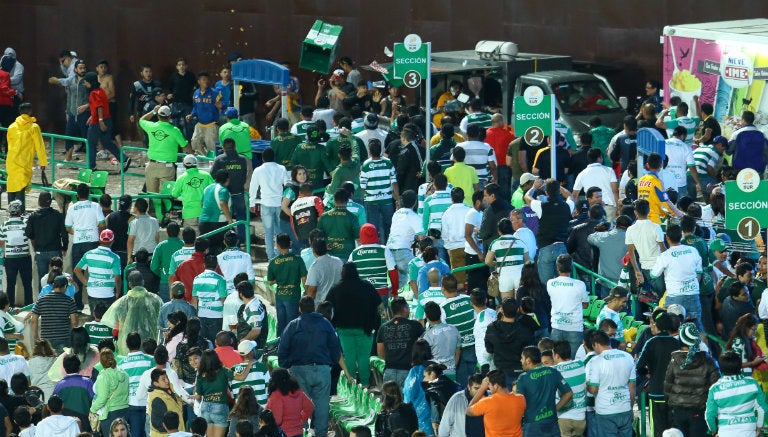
{"x": 412, "y": 79}
{"x": 748, "y": 228}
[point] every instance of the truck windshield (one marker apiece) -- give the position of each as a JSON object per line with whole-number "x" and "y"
{"x": 584, "y": 97}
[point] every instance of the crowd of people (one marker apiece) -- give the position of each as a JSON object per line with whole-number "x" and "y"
{"x": 458, "y": 272}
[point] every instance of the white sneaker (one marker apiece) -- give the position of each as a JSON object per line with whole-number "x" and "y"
{"x": 102, "y": 154}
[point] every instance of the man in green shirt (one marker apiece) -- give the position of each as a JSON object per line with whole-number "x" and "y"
{"x": 284, "y": 143}
{"x": 189, "y": 187}
{"x": 161, "y": 258}
{"x": 311, "y": 155}
{"x": 346, "y": 137}
{"x": 165, "y": 140}
{"x": 215, "y": 213}
{"x": 601, "y": 138}
{"x": 240, "y": 132}
{"x": 462, "y": 175}
{"x": 347, "y": 170}
{"x": 518, "y": 197}
{"x": 458, "y": 312}
{"x": 340, "y": 226}
{"x": 288, "y": 273}
{"x": 209, "y": 289}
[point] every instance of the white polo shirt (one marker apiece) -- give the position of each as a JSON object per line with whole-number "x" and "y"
{"x": 597, "y": 175}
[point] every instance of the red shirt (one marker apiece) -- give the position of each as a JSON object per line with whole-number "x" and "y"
{"x": 187, "y": 270}
{"x": 499, "y": 138}
{"x": 98, "y": 98}
{"x": 228, "y": 356}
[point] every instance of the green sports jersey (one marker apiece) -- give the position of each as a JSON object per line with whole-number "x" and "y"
{"x": 284, "y": 145}
{"x": 341, "y": 229}
{"x": 377, "y": 178}
{"x": 102, "y": 265}
{"x": 258, "y": 377}
{"x": 481, "y": 119}
{"x": 373, "y": 262}
{"x": 359, "y": 152}
{"x": 97, "y": 332}
{"x": 162, "y": 256}
{"x": 179, "y": 257}
{"x": 135, "y": 364}
{"x": 689, "y": 123}
{"x": 459, "y": 313}
{"x": 575, "y": 375}
{"x": 240, "y": 132}
{"x": 210, "y": 289}
{"x": 431, "y": 294}
{"x": 212, "y": 195}
{"x": 567, "y": 133}
{"x": 515, "y": 257}
{"x": 9, "y": 327}
{"x": 312, "y": 157}
{"x": 414, "y": 265}
{"x": 287, "y": 270}
{"x": 434, "y": 207}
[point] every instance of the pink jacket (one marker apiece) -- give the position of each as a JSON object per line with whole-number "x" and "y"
{"x": 291, "y": 411}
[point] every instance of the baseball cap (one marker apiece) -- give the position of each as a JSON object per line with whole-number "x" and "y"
{"x": 720, "y": 140}
{"x": 178, "y": 289}
{"x": 190, "y": 161}
{"x": 231, "y": 112}
{"x": 164, "y": 111}
{"x": 717, "y": 245}
{"x": 337, "y": 74}
{"x": 125, "y": 202}
{"x": 616, "y": 293}
{"x": 526, "y": 177}
{"x": 677, "y": 310}
{"x": 371, "y": 121}
{"x": 245, "y": 347}
{"x": 106, "y": 236}
{"x": 15, "y": 207}
{"x": 60, "y": 281}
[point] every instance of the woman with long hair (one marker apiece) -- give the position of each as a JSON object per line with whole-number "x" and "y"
{"x": 438, "y": 389}
{"x": 89, "y": 356}
{"x": 191, "y": 339}
{"x": 290, "y": 406}
{"x": 111, "y": 390}
{"x": 531, "y": 286}
{"x": 43, "y": 357}
{"x": 177, "y": 324}
{"x": 246, "y": 408}
{"x": 290, "y": 194}
{"x": 395, "y": 414}
{"x": 742, "y": 341}
{"x": 355, "y": 317}
{"x": 119, "y": 428}
{"x": 211, "y": 391}
{"x": 413, "y": 392}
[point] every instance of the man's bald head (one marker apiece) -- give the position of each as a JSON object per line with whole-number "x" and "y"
{"x": 497, "y": 120}
{"x": 433, "y": 276}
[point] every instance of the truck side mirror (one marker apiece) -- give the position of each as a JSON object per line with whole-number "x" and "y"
{"x": 624, "y": 102}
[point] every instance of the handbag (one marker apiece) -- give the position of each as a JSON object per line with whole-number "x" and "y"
{"x": 493, "y": 281}
{"x": 93, "y": 419}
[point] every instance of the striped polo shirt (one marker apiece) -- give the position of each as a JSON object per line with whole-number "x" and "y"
{"x": 689, "y": 123}
{"x": 479, "y": 154}
{"x": 482, "y": 119}
{"x": 134, "y": 364}
{"x": 12, "y": 234}
{"x": 209, "y": 288}
{"x": 179, "y": 257}
{"x": 459, "y": 313}
{"x": 373, "y": 262}
{"x": 258, "y": 377}
{"x": 575, "y": 375}
{"x": 434, "y": 207}
{"x": 377, "y": 177}
{"x": 735, "y": 406}
{"x": 705, "y": 156}
{"x": 97, "y": 332}
{"x": 102, "y": 265}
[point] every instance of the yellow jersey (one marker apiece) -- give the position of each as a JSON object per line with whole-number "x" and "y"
{"x": 650, "y": 188}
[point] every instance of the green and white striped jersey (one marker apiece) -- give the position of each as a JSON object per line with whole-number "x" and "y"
{"x": 705, "y": 156}
{"x": 373, "y": 262}
{"x": 179, "y": 257}
{"x": 377, "y": 177}
{"x": 735, "y": 406}
{"x": 13, "y": 235}
{"x": 210, "y": 289}
{"x": 458, "y": 312}
{"x": 102, "y": 265}
{"x": 10, "y": 326}
{"x": 258, "y": 377}
{"x": 97, "y": 332}
{"x": 431, "y": 294}
{"x": 575, "y": 375}
{"x": 134, "y": 364}
{"x": 434, "y": 207}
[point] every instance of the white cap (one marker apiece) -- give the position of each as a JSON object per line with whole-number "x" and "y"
{"x": 164, "y": 111}
{"x": 246, "y": 346}
{"x": 190, "y": 161}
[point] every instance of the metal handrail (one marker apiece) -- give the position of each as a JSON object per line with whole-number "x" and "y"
{"x": 124, "y": 173}
{"x": 245, "y": 223}
{"x": 53, "y": 161}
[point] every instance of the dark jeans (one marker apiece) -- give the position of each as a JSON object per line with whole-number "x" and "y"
{"x": 210, "y": 327}
{"x": 380, "y": 215}
{"x": 76, "y": 127}
{"x": 690, "y": 422}
{"x": 93, "y": 301}
{"x": 659, "y": 416}
{"x": 42, "y": 259}
{"x": 19, "y": 266}
{"x": 505, "y": 182}
{"x": 296, "y": 245}
{"x": 467, "y": 365}
{"x": 238, "y": 213}
{"x": 707, "y": 302}
{"x": 18, "y": 195}
{"x": 546, "y": 260}
{"x": 541, "y": 429}
{"x": 105, "y": 424}
{"x": 180, "y": 111}
{"x": 286, "y": 310}
{"x": 59, "y": 345}
{"x": 136, "y": 418}
{"x": 123, "y": 258}
{"x": 315, "y": 380}
{"x": 476, "y": 278}
{"x": 78, "y": 250}
{"x": 94, "y": 135}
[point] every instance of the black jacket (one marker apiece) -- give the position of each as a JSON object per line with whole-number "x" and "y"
{"x": 409, "y": 165}
{"x": 438, "y": 393}
{"x": 355, "y": 305}
{"x": 506, "y": 340}
{"x": 401, "y": 417}
{"x": 489, "y": 225}
{"x": 688, "y": 387}
{"x": 654, "y": 360}
{"x": 577, "y": 244}
{"x": 46, "y": 227}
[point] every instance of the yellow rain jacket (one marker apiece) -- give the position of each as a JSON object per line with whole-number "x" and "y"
{"x": 24, "y": 142}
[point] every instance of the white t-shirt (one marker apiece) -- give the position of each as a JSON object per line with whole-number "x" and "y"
{"x": 611, "y": 371}
{"x": 453, "y": 222}
{"x": 482, "y": 320}
{"x": 232, "y": 262}
{"x": 12, "y": 364}
{"x": 84, "y": 218}
{"x": 526, "y": 236}
{"x": 142, "y": 392}
{"x": 231, "y": 304}
{"x": 478, "y": 155}
{"x": 536, "y": 206}
{"x": 680, "y": 158}
{"x": 567, "y": 295}
{"x": 679, "y": 265}
{"x": 645, "y": 236}
{"x": 406, "y": 224}
{"x": 474, "y": 218}
{"x": 597, "y": 175}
